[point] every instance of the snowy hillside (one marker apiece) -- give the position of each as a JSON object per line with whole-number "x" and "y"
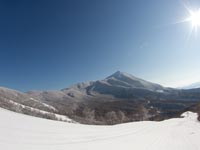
{"x": 192, "y": 86}
{"x": 118, "y": 80}
{"x": 118, "y": 98}
{"x": 22, "y": 132}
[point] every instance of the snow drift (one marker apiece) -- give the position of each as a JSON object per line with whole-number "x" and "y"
{"x": 22, "y": 132}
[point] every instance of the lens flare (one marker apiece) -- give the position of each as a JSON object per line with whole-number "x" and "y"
{"x": 194, "y": 18}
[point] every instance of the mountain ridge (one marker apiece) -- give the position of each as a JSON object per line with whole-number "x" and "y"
{"x": 118, "y": 98}
{"x": 191, "y": 86}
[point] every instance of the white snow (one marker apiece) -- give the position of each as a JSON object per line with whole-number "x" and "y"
{"x": 59, "y": 117}
{"x": 160, "y": 91}
{"x": 191, "y": 86}
{"x": 45, "y": 105}
{"x": 22, "y": 132}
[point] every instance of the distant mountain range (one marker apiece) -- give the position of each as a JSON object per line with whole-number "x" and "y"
{"x": 192, "y": 86}
{"x": 118, "y": 98}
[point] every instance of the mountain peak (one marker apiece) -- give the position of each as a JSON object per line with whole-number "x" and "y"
{"x": 127, "y": 80}
{"x": 119, "y": 74}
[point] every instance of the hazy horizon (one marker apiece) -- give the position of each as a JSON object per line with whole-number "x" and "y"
{"x": 49, "y": 44}
{"x": 67, "y": 86}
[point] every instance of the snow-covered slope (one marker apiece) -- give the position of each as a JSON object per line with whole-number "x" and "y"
{"x": 127, "y": 80}
{"x": 35, "y": 110}
{"x": 21, "y": 132}
{"x": 119, "y": 84}
{"x": 120, "y": 80}
{"x": 192, "y": 86}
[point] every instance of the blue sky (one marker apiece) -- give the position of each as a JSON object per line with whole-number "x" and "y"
{"x": 50, "y": 44}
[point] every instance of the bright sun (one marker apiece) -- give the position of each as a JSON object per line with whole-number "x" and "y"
{"x": 195, "y": 18}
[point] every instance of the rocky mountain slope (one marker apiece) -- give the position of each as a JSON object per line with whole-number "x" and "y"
{"x": 118, "y": 98}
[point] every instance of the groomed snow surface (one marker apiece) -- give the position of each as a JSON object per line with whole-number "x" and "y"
{"x": 22, "y": 132}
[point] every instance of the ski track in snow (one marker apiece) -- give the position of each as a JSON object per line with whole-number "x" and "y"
{"x": 22, "y": 132}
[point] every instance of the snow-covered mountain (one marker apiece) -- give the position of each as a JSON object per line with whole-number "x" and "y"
{"x": 124, "y": 80}
{"x": 192, "y": 86}
{"x": 119, "y": 84}
{"x": 21, "y": 132}
{"x": 23, "y": 103}
{"x": 127, "y": 80}
{"x": 118, "y": 98}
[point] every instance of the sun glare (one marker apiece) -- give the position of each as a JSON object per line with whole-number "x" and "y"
{"x": 195, "y": 18}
